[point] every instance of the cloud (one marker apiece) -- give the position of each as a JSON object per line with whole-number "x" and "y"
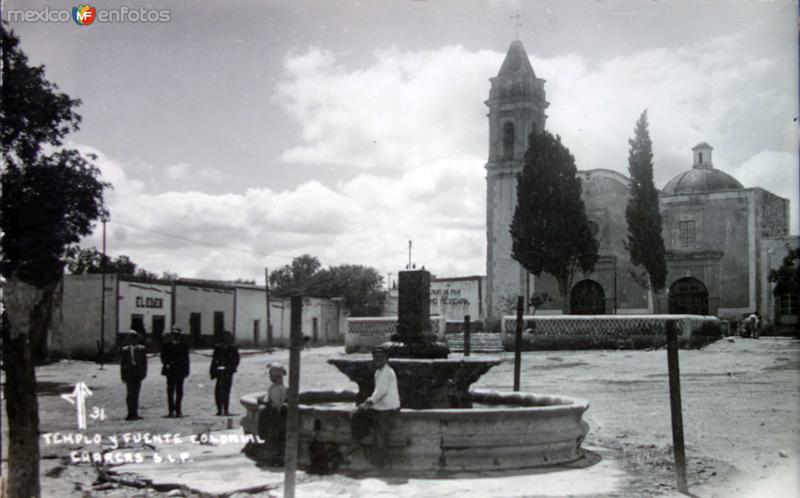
{"x": 177, "y": 171}
{"x": 405, "y": 109}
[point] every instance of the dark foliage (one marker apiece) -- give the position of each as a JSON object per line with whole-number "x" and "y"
{"x": 80, "y": 261}
{"x": 361, "y": 287}
{"x": 644, "y": 243}
{"x": 295, "y": 279}
{"x": 549, "y": 231}
{"x": 50, "y": 200}
{"x": 787, "y": 277}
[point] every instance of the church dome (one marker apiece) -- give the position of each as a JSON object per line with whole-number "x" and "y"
{"x": 703, "y": 177}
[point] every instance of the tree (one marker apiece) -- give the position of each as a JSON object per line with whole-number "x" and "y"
{"x": 549, "y": 231}
{"x": 295, "y": 279}
{"x": 80, "y": 261}
{"x": 644, "y": 243}
{"x": 360, "y": 286}
{"x": 51, "y": 197}
{"x": 787, "y": 277}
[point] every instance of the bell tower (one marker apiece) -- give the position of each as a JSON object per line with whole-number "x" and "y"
{"x": 516, "y": 108}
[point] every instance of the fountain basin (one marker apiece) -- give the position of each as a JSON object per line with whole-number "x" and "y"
{"x": 503, "y": 431}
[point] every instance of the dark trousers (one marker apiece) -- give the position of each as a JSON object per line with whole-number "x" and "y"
{"x": 222, "y": 391}
{"x": 379, "y": 423}
{"x": 132, "y": 398}
{"x": 174, "y": 394}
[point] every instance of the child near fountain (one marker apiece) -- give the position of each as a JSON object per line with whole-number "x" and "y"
{"x": 272, "y": 413}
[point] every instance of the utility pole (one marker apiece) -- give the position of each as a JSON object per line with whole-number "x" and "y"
{"x": 409, "y": 255}
{"x": 269, "y": 323}
{"x": 292, "y": 398}
{"x": 103, "y": 297}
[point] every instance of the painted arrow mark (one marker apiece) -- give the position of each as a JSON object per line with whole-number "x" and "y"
{"x": 78, "y": 398}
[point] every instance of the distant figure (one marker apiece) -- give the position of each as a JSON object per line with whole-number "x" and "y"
{"x": 379, "y": 407}
{"x": 133, "y": 368}
{"x": 223, "y": 365}
{"x": 272, "y": 414}
{"x": 175, "y": 360}
{"x": 754, "y": 325}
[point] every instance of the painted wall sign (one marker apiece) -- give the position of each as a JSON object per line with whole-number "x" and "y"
{"x": 149, "y": 302}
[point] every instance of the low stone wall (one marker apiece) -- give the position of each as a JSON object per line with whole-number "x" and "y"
{"x": 364, "y": 333}
{"x": 555, "y": 332}
{"x": 457, "y": 326}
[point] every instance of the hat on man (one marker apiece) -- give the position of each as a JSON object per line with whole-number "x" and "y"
{"x": 276, "y": 367}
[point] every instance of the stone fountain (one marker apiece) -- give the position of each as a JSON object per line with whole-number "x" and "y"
{"x": 442, "y": 426}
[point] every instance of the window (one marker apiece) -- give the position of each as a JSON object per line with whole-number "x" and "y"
{"x": 788, "y": 304}
{"x": 700, "y": 157}
{"x": 686, "y": 233}
{"x": 508, "y": 140}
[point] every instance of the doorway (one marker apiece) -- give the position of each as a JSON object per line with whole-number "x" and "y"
{"x": 587, "y": 298}
{"x": 688, "y": 296}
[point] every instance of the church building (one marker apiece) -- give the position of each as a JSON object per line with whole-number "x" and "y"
{"x": 720, "y": 237}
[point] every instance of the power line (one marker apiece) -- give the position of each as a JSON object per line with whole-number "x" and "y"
{"x": 201, "y": 242}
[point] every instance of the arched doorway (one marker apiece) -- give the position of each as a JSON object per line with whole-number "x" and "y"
{"x": 587, "y": 298}
{"x": 688, "y": 296}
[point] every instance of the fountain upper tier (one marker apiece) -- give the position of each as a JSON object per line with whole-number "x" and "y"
{"x": 422, "y": 383}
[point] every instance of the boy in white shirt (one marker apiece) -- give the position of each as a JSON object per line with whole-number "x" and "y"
{"x": 272, "y": 414}
{"x": 384, "y": 401}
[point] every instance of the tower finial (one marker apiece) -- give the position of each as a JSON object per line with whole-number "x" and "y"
{"x": 517, "y": 24}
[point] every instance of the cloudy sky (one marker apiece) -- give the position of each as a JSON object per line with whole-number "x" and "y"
{"x": 241, "y": 134}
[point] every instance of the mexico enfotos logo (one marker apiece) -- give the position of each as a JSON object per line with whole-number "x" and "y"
{"x": 86, "y": 15}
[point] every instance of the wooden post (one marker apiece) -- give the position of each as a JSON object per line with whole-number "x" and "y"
{"x": 675, "y": 406}
{"x": 518, "y": 342}
{"x": 466, "y": 335}
{"x": 292, "y": 416}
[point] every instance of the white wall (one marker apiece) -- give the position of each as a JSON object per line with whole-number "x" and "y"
{"x": 75, "y": 325}
{"x": 197, "y": 298}
{"x": 454, "y": 298}
{"x": 251, "y": 305}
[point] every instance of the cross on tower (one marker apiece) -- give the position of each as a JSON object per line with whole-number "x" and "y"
{"x": 517, "y": 24}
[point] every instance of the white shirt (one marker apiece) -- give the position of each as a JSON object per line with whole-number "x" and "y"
{"x": 385, "y": 395}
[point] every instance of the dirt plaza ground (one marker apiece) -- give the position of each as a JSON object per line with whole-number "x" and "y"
{"x": 741, "y": 408}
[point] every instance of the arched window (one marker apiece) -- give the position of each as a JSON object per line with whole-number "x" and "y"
{"x": 508, "y": 140}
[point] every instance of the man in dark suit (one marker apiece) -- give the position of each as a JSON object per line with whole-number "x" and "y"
{"x": 175, "y": 360}
{"x": 223, "y": 366}
{"x": 133, "y": 367}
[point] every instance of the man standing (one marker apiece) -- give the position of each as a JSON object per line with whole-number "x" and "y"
{"x": 133, "y": 367}
{"x": 223, "y": 365}
{"x": 384, "y": 401}
{"x": 175, "y": 360}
